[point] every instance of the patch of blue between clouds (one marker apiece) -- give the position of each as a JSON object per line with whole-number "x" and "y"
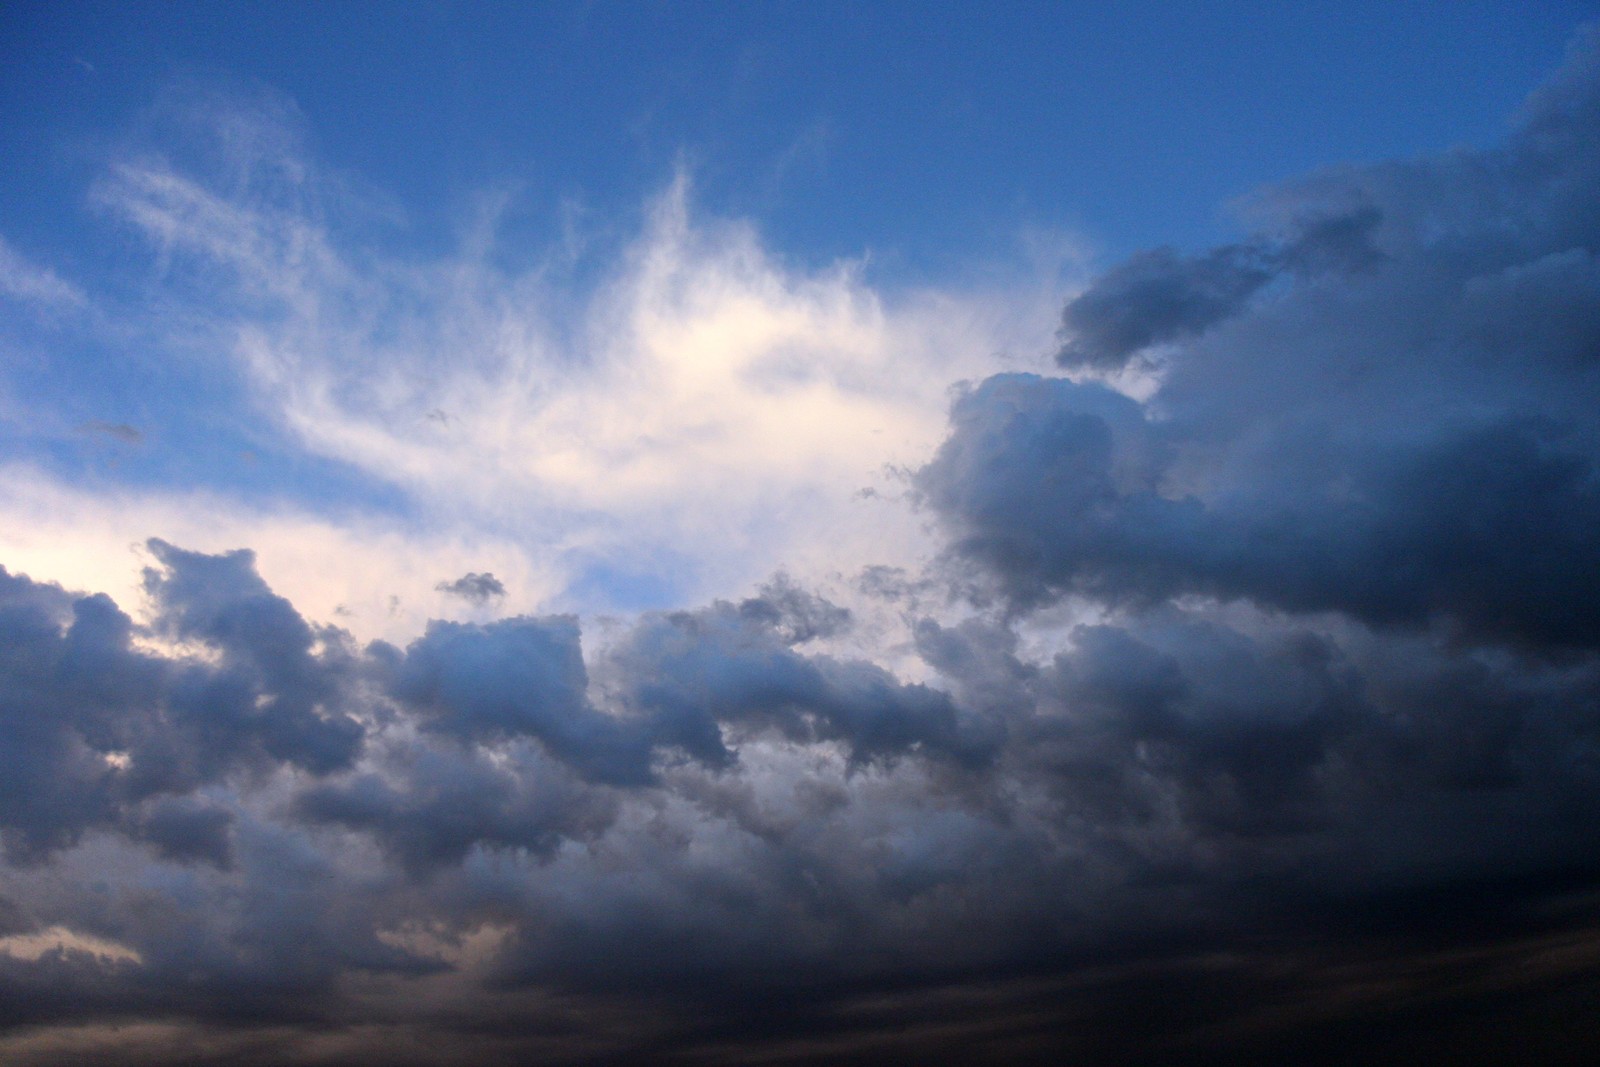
{"x": 651, "y": 583}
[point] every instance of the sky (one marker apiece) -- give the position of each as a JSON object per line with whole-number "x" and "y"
{"x": 786, "y": 533}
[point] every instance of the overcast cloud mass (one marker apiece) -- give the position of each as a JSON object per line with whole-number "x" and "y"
{"x": 708, "y": 658}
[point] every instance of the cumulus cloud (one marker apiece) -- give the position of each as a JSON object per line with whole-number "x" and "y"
{"x": 375, "y": 574}
{"x": 101, "y": 732}
{"x": 691, "y": 672}
{"x": 438, "y": 804}
{"x": 1409, "y": 444}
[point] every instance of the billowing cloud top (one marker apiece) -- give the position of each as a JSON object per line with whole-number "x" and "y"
{"x": 1403, "y": 435}
{"x": 1248, "y": 703}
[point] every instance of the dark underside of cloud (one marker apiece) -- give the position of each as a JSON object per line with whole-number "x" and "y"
{"x": 474, "y": 587}
{"x": 1318, "y": 783}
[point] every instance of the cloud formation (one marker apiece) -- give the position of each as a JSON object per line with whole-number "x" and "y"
{"x": 640, "y": 401}
{"x": 38, "y": 287}
{"x": 1225, "y": 706}
{"x": 102, "y": 732}
{"x": 1408, "y": 444}
{"x": 1161, "y": 296}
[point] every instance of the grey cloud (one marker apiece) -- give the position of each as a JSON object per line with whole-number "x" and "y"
{"x": 55, "y": 784}
{"x": 800, "y": 616}
{"x": 691, "y": 672}
{"x": 1158, "y": 296}
{"x": 97, "y": 730}
{"x": 1161, "y": 295}
{"x": 1485, "y": 527}
{"x": 1187, "y": 758}
{"x": 1165, "y": 784}
{"x": 187, "y": 830}
{"x": 274, "y": 686}
{"x": 482, "y": 741}
{"x": 1339, "y": 243}
{"x": 521, "y": 677}
{"x": 1241, "y": 736}
{"x": 677, "y": 688}
{"x": 1407, "y": 440}
{"x": 478, "y": 588}
{"x": 437, "y": 804}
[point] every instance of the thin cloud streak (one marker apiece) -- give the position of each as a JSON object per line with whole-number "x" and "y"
{"x": 40, "y": 287}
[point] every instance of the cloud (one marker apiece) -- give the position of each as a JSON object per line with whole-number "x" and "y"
{"x": 279, "y": 679}
{"x": 1161, "y": 296}
{"x": 1408, "y": 444}
{"x": 119, "y": 430}
{"x": 1483, "y": 528}
{"x": 697, "y": 675}
{"x": 521, "y": 677}
{"x": 102, "y": 733}
{"x": 687, "y": 389}
{"x": 1245, "y": 718}
{"x": 28, "y": 283}
{"x": 474, "y": 587}
{"x": 444, "y": 802}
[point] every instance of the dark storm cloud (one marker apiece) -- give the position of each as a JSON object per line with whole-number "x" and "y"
{"x": 1490, "y": 526}
{"x": 690, "y": 673}
{"x": 475, "y": 587}
{"x": 96, "y": 730}
{"x": 274, "y": 686}
{"x": 435, "y": 805}
{"x": 107, "y": 732}
{"x": 675, "y": 682}
{"x": 1410, "y": 442}
{"x": 521, "y": 677}
{"x": 185, "y": 829}
{"x": 54, "y": 785}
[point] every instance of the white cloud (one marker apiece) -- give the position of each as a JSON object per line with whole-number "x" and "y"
{"x": 29, "y": 283}
{"x": 60, "y": 939}
{"x": 706, "y": 405}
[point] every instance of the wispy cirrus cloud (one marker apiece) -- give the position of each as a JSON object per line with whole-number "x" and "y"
{"x": 701, "y": 391}
{"x": 40, "y": 287}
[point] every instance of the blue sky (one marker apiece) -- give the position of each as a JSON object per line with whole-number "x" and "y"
{"x": 922, "y": 132}
{"x": 780, "y": 527}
